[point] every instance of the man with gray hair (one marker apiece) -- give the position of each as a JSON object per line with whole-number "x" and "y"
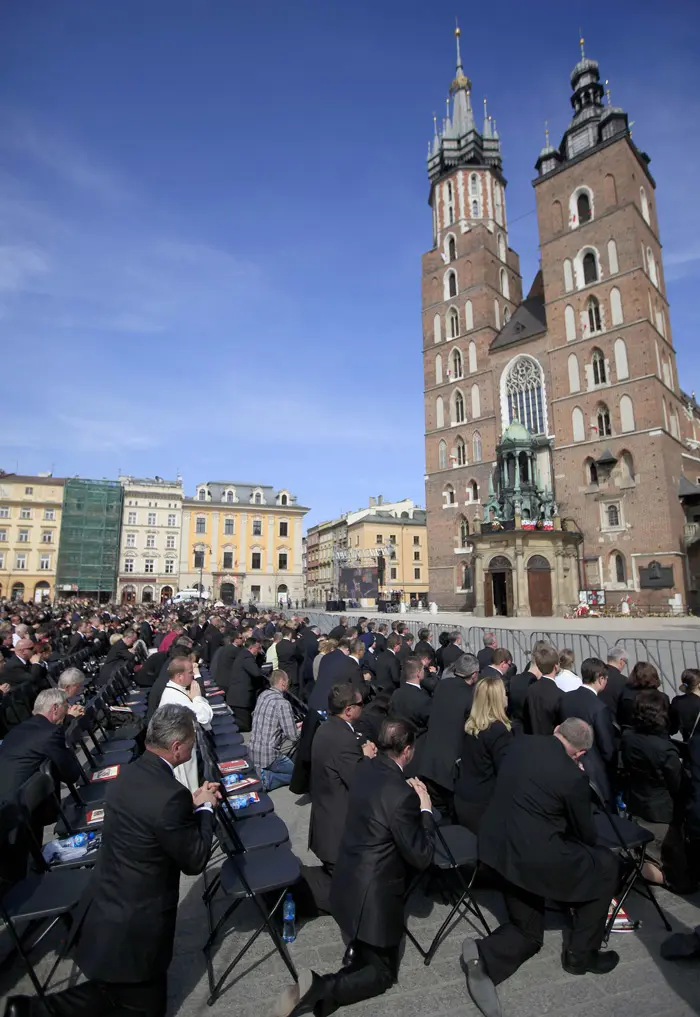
{"x": 71, "y": 682}
{"x": 539, "y": 841}
{"x": 485, "y": 655}
{"x": 29, "y": 744}
{"x": 617, "y": 662}
{"x": 154, "y": 829}
{"x": 452, "y": 703}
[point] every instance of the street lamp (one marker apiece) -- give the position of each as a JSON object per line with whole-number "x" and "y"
{"x": 201, "y": 548}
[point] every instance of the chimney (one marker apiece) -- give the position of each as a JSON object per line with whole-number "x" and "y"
{"x": 372, "y": 502}
{"x": 380, "y": 499}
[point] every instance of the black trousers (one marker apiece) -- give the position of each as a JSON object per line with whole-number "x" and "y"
{"x": 242, "y": 717}
{"x": 469, "y": 814}
{"x": 106, "y": 999}
{"x": 522, "y": 936}
{"x": 373, "y": 970}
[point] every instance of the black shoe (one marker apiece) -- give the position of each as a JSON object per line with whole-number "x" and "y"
{"x": 18, "y": 1006}
{"x": 348, "y": 956}
{"x": 597, "y": 962}
{"x": 301, "y": 997}
{"x": 479, "y": 985}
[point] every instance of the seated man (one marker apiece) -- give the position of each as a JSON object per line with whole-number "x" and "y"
{"x": 26, "y": 746}
{"x": 539, "y": 839}
{"x": 274, "y": 733}
{"x": 183, "y": 690}
{"x": 71, "y": 682}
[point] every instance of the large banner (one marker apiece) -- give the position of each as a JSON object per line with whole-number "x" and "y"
{"x": 359, "y": 583}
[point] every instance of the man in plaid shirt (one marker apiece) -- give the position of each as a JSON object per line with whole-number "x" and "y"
{"x": 274, "y": 728}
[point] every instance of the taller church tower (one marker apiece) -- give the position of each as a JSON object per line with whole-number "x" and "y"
{"x": 471, "y": 284}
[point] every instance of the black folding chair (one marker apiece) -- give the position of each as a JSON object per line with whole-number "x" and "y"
{"x": 43, "y": 899}
{"x": 247, "y": 876}
{"x": 36, "y": 794}
{"x": 455, "y": 851}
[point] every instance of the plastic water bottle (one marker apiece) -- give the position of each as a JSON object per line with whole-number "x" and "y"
{"x": 289, "y": 914}
{"x": 78, "y": 840}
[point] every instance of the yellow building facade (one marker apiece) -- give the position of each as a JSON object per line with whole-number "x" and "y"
{"x": 243, "y": 542}
{"x": 30, "y": 526}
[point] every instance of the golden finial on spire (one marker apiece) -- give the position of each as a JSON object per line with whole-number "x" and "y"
{"x": 546, "y": 132}
{"x": 457, "y": 28}
{"x": 607, "y": 92}
{"x": 581, "y": 41}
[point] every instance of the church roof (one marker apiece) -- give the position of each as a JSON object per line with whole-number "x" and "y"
{"x": 686, "y": 488}
{"x": 528, "y": 320}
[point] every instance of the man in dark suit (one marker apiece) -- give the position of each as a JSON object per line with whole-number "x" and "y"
{"x": 146, "y": 633}
{"x": 247, "y": 680}
{"x": 308, "y": 645}
{"x": 539, "y": 836}
{"x": 424, "y": 648}
{"x": 452, "y": 701}
{"x": 337, "y": 667}
{"x": 413, "y": 703}
{"x": 119, "y": 653}
{"x": 26, "y": 746}
{"x": 543, "y": 699}
{"x": 453, "y": 651}
{"x": 154, "y": 829}
{"x": 617, "y": 662}
{"x": 380, "y": 638}
{"x": 340, "y": 629}
{"x": 212, "y": 639}
{"x": 290, "y": 658}
{"x": 485, "y": 655}
{"x": 18, "y": 668}
{"x": 500, "y": 665}
{"x": 222, "y": 664}
{"x": 389, "y": 834}
{"x": 335, "y": 754}
{"x": 79, "y": 639}
{"x": 586, "y": 703}
{"x": 388, "y": 668}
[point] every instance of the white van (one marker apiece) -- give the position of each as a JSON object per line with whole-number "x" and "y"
{"x": 188, "y": 595}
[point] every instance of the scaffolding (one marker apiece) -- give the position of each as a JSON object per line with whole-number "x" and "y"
{"x": 88, "y": 555}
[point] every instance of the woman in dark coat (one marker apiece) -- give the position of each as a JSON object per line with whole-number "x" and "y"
{"x": 653, "y": 775}
{"x": 487, "y": 736}
{"x": 643, "y": 676}
{"x": 686, "y": 707}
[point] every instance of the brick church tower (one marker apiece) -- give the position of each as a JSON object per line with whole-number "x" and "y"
{"x": 585, "y": 362}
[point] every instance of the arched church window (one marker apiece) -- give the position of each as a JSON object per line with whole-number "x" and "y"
{"x": 590, "y": 268}
{"x": 594, "y": 319}
{"x": 620, "y": 571}
{"x": 475, "y": 209}
{"x": 613, "y": 514}
{"x": 501, "y": 247}
{"x": 452, "y": 284}
{"x": 461, "y": 452}
{"x": 598, "y": 363}
{"x": 505, "y": 288}
{"x": 644, "y": 203}
{"x": 463, "y": 532}
{"x": 603, "y": 421}
{"x": 456, "y": 364}
{"x": 442, "y": 455}
{"x": 523, "y": 388}
{"x": 583, "y": 207}
{"x": 474, "y": 185}
{"x": 453, "y": 322}
{"x": 476, "y": 447}
{"x": 459, "y": 408}
{"x": 451, "y": 249}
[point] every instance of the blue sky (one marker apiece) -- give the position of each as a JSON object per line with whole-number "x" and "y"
{"x": 212, "y": 216}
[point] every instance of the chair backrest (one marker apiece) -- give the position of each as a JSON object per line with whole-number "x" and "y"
{"x": 36, "y": 790}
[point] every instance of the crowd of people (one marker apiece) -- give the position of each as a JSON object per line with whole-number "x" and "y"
{"x": 389, "y": 735}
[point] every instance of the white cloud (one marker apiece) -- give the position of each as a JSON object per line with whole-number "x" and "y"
{"x": 19, "y": 265}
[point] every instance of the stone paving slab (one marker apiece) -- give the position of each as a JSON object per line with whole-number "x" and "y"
{"x": 643, "y": 985}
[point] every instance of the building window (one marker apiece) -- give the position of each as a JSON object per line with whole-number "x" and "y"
{"x": 257, "y": 527}
{"x": 255, "y": 560}
{"x": 645, "y": 204}
{"x": 47, "y": 537}
{"x": 416, "y": 555}
{"x": 228, "y": 527}
{"x": 451, "y": 249}
{"x": 583, "y": 208}
{"x": 3, "y": 535}
{"x": 49, "y": 515}
{"x": 392, "y": 539}
{"x": 459, "y": 408}
{"x": 620, "y": 571}
{"x": 2, "y": 560}
{"x": 284, "y": 528}
{"x": 505, "y": 287}
{"x": 131, "y": 540}
{"x": 4, "y": 511}
{"x": 44, "y": 562}
{"x": 379, "y": 539}
{"x": 603, "y": 421}
{"x": 438, "y": 370}
{"x": 150, "y": 540}
{"x": 442, "y": 457}
{"x": 172, "y": 519}
{"x": 591, "y": 471}
{"x": 416, "y": 573}
{"x": 448, "y": 495}
{"x": 283, "y": 499}
{"x": 149, "y": 565}
{"x": 129, "y": 565}
{"x": 255, "y": 594}
{"x": 599, "y": 373}
{"x": 439, "y": 412}
{"x": 456, "y": 364}
{"x": 461, "y": 452}
{"x": 282, "y": 561}
{"x": 463, "y": 532}
{"x": 453, "y": 322}
{"x": 151, "y": 519}
{"x": 590, "y": 268}
{"x": 25, "y": 513}
{"x": 452, "y": 284}
{"x": 612, "y": 516}
{"x": 202, "y": 494}
{"x": 169, "y": 566}
{"x": 200, "y": 525}
{"x": 437, "y": 329}
{"x": 594, "y": 320}
{"x": 199, "y": 559}
{"x": 228, "y": 559}
{"x": 524, "y": 394}
{"x": 170, "y": 542}
{"x": 393, "y": 573}
{"x": 131, "y": 519}
{"x": 476, "y": 447}
{"x": 21, "y": 561}
{"x": 257, "y": 498}
{"x": 29, "y": 490}
{"x": 416, "y": 541}
{"x": 501, "y": 247}
{"x": 24, "y": 536}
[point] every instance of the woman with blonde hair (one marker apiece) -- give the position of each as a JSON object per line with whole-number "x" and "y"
{"x": 324, "y": 646}
{"x": 487, "y": 736}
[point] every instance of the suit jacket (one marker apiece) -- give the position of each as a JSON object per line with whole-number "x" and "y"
{"x": 247, "y": 680}
{"x": 309, "y": 647}
{"x": 613, "y": 690}
{"x": 517, "y": 691}
{"x": 335, "y": 755}
{"x": 146, "y": 633}
{"x": 684, "y": 713}
{"x": 423, "y": 649}
{"x": 118, "y": 654}
{"x": 16, "y": 671}
{"x": 538, "y": 830}
{"x": 654, "y": 771}
{"x": 212, "y": 639}
{"x": 480, "y": 760}
{"x": 336, "y": 667}
{"x": 412, "y": 703}
{"x": 450, "y": 654}
{"x": 77, "y": 642}
{"x": 151, "y": 834}
{"x": 289, "y": 659}
{"x": 388, "y": 671}
{"x": 386, "y": 838}
{"x": 485, "y": 656}
{"x": 26, "y": 746}
{"x": 146, "y": 675}
{"x": 338, "y": 632}
{"x": 222, "y": 664}
{"x": 542, "y": 706}
{"x": 404, "y": 652}
{"x": 379, "y": 642}
{"x": 600, "y": 762}
{"x": 452, "y": 701}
